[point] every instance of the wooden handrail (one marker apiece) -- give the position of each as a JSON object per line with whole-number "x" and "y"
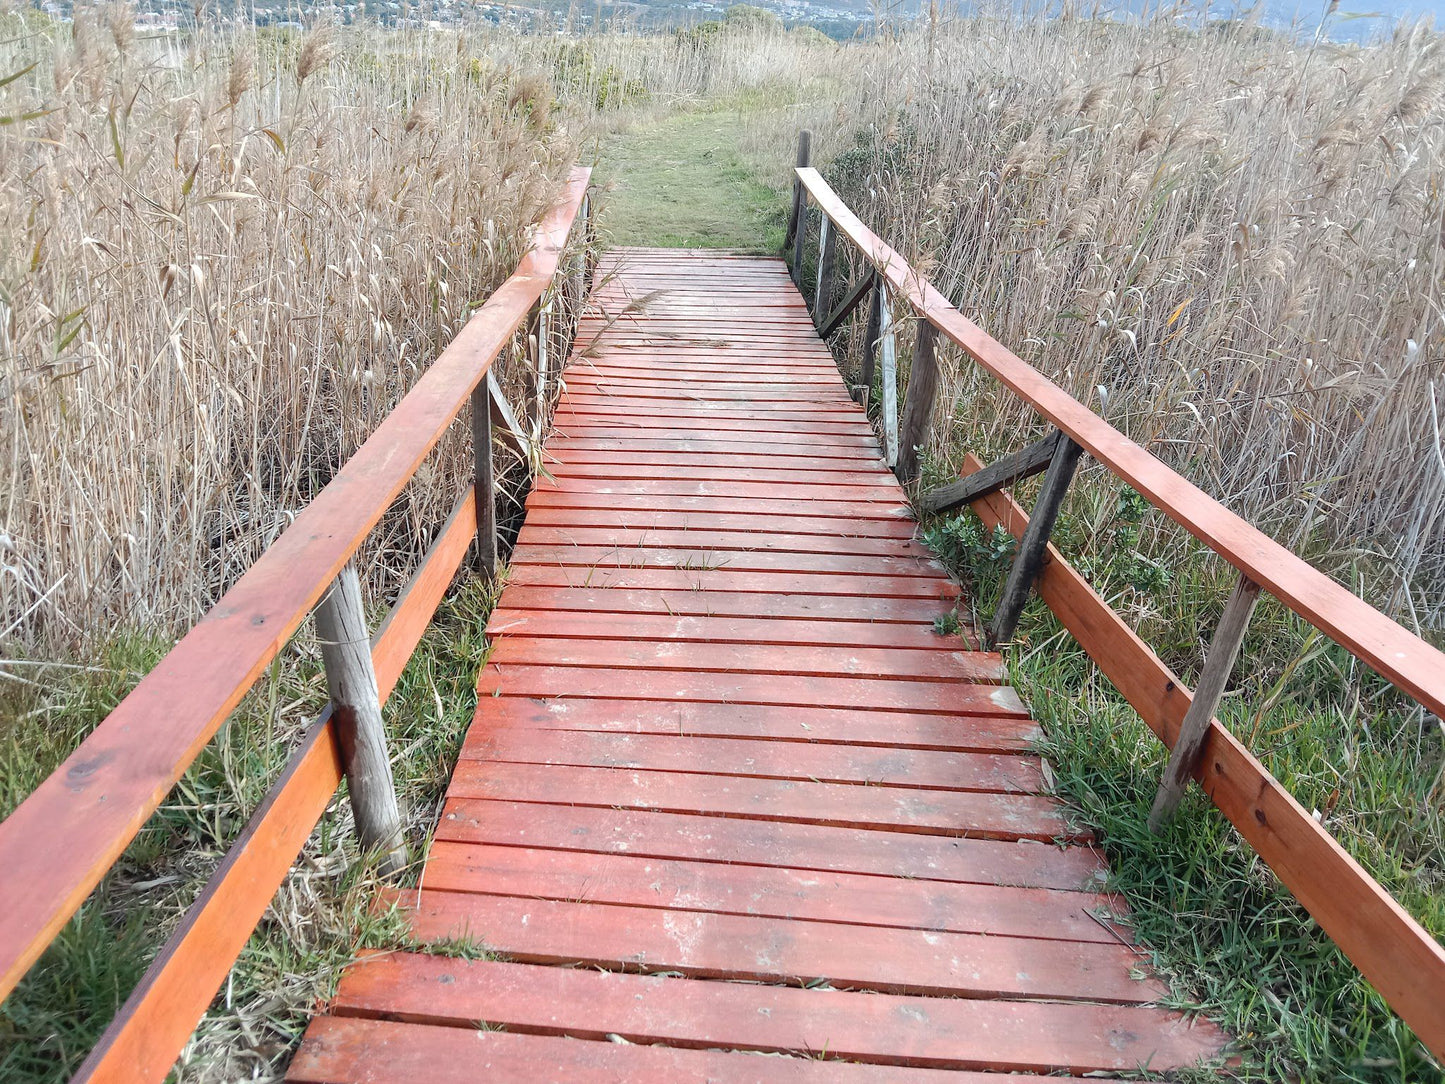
{"x": 1392, "y": 950}
{"x": 56, "y": 846}
{"x": 1396, "y": 653}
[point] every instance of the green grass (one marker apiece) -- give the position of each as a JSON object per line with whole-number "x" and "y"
{"x": 680, "y": 182}
{"x": 1231, "y": 938}
{"x": 321, "y": 918}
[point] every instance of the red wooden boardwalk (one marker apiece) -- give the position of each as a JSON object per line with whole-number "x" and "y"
{"x": 730, "y": 809}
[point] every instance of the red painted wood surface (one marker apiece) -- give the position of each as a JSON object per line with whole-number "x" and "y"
{"x": 1404, "y": 658}
{"x": 1399, "y": 957}
{"x": 718, "y": 739}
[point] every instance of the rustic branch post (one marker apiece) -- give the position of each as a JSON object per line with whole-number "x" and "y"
{"x": 539, "y": 322}
{"x": 1223, "y": 651}
{"x": 871, "y": 336}
{"x": 356, "y": 715}
{"x": 484, "y": 479}
{"x": 1030, "y": 557}
{"x": 918, "y": 405}
{"x": 798, "y": 220}
{"x": 888, "y": 375}
{"x": 827, "y": 265}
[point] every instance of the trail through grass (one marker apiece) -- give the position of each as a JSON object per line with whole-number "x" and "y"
{"x": 680, "y": 182}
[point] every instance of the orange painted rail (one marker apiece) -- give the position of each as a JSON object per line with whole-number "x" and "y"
{"x": 58, "y": 844}
{"x": 730, "y": 808}
{"x": 1390, "y": 948}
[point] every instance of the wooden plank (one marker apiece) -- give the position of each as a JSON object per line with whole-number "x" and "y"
{"x": 749, "y": 948}
{"x": 1000, "y": 474}
{"x": 863, "y": 694}
{"x": 1399, "y": 958}
{"x": 945, "y": 1034}
{"x": 1029, "y": 558}
{"x": 339, "y": 1050}
{"x": 579, "y": 477}
{"x": 845, "y": 308}
{"x": 788, "y": 724}
{"x": 772, "y": 892}
{"x": 731, "y": 581}
{"x": 904, "y": 664}
{"x": 884, "y": 809}
{"x": 916, "y": 769}
{"x": 1223, "y": 652}
{"x": 776, "y": 542}
{"x": 727, "y": 437}
{"x": 794, "y": 509}
{"x": 148, "y": 1032}
{"x": 683, "y": 519}
{"x": 60, "y": 841}
{"x": 644, "y": 556}
{"x": 799, "y": 845}
{"x": 508, "y": 621}
{"x": 1405, "y": 659}
{"x": 870, "y": 493}
{"x": 726, "y": 603}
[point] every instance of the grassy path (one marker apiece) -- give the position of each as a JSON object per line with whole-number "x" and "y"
{"x": 681, "y": 182}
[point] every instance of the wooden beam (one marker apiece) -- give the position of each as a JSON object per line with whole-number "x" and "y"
{"x": 827, "y": 268}
{"x": 805, "y": 139}
{"x": 800, "y": 211}
{"x": 505, "y": 418}
{"x": 356, "y": 715}
{"x": 484, "y": 479}
{"x": 873, "y": 332}
{"x": 1030, "y": 557}
{"x": 918, "y": 406}
{"x": 1223, "y": 651}
{"x": 1398, "y": 957}
{"x": 1001, "y": 473}
{"x": 888, "y": 373}
{"x": 845, "y": 307}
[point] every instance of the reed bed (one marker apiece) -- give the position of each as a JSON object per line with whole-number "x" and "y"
{"x": 224, "y": 256}
{"x": 1227, "y": 240}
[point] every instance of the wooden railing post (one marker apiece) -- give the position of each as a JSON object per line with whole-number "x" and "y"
{"x": 539, "y": 331}
{"x": 798, "y": 220}
{"x": 918, "y": 406}
{"x": 888, "y": 372}
{"x": 483, "y": 478}
{"x": 1223, "y": 651}
{"x": 1030, "y": 557}
{"x": 871, "y": 335}
{"x": 827, "y": 264}
{"x": 356, "y": 715}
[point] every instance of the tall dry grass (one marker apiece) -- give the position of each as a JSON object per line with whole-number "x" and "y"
{"x": 1230, "y": 242}
{"x": 223, "y": 257}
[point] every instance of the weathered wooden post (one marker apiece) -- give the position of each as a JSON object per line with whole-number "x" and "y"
{"x": 484, "y": 480}
{"x": 1030, "y": 557}
{"x": 1223, "y": 651}
{"x": 356, "y": 715}
{"x": 589, "y": 257}
{"x": 888, "y": 372}
{"x": 871, "y": 335}
{"x": 827, "y": 266}
{"x": 918, "y": 405}
{"x": 539, "y": 323}
{"x": 798, "y": 220}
